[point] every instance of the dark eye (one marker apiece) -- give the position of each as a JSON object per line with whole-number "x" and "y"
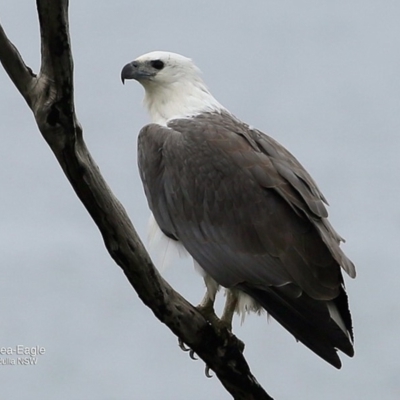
{"x": 157, "y": 64}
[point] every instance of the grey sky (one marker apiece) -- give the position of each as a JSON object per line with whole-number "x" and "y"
{"x": 320, "y": 77}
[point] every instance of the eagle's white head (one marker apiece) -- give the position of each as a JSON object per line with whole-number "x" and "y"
{"x": 173, "y": 85}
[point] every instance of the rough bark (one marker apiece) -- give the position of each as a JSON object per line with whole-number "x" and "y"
{"x": 50, "y": 97}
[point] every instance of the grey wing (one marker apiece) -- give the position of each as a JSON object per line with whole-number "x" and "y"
{"x": 312, "y": 199}
{"x": 251, "y": 216}
{"x": 245, "y": 215}
{"x": 200, "y": 198}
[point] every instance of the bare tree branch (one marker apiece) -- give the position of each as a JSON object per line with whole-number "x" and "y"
{"x": 50, "y": 96}
{"x": 20, "y": 74}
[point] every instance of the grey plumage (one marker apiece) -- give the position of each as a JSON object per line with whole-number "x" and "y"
{"x": 252, "y": 217}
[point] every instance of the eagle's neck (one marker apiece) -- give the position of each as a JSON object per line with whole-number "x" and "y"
{"x": 179, "y": 100}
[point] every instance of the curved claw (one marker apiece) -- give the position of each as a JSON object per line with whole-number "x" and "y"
{"x": 207, "y": 372}
{"x": 182, "y": 345}
{"x": 191, "y": 354}
{"x": 184, "y": 348}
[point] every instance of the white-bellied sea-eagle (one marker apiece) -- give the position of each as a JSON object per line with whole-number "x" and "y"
{"x": 242, "y": 206}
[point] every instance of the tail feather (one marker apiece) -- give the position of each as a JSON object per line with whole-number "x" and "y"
{"x": 310, "y": 321}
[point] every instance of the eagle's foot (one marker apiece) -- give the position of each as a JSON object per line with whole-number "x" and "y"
{"x": 224, "y": 329}
{"x": 222, "y": 325}
{"x": 207, "y": 311}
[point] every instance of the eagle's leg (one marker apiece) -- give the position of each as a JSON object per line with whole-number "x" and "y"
{"x": 229, "y": 309}
{"x": 232, "y": 299}
{"x": 206, "y": 306}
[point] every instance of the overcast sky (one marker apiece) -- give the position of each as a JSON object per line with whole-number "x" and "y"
{"x": 320, "y": 77}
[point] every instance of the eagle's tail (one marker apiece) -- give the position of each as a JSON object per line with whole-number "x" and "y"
{"x": 323, "y": 326}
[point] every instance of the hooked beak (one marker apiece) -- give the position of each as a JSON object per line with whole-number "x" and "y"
{"x": 135, "y": 70}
